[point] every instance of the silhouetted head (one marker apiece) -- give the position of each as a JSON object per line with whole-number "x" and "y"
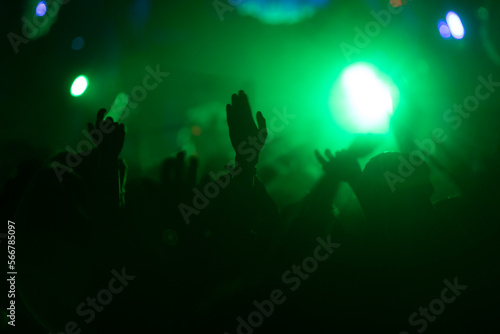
{"x": 395, "y": 185}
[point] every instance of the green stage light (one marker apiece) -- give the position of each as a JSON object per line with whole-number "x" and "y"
{"x": 279, "y": 11}
{"x": 79, "y": 85}
{"x": 117, "y": 109}
{"x": 361, "y": 101}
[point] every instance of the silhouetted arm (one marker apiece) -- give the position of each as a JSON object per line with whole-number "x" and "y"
{"x": 246, "y": 138}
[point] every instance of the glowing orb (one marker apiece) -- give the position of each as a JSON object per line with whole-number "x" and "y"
{"x": 361, "y": 101}
{"x": 79, "y": 85}
{"x": 456, "y": 27}
{"x": 41, "y": 9}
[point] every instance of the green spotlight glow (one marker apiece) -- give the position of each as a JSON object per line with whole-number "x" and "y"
{"x": 116, "y": 111}
{"x": 361, "y": 101}
{"x": 79, "y": 85}
{"x": 279, "y": 11}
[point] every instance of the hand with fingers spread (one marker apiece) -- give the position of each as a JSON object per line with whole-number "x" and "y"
{"x": 247, "y": 139}
{"x": 344, "y": 165}
{"x": 328, "y": 165}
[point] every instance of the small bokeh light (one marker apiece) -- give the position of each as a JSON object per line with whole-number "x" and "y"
{"x": 444, "y": 30}
{"x": 398, "y": 3}
{"x": 483, "y": 14}
{"x": 170, "y": 237}
{"x": 195, "y": 130}
{"x": 41, "y": 8}
{"x": 78, "y": 43}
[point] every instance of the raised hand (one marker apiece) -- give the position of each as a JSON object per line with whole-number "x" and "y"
{"x": 343, "y": 166}
{"x": 105, "y": 173}
{"x": 108, "y": 136}
{"x": 247, "y": 139}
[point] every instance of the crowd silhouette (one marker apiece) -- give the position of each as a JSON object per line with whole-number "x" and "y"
{"x": 226, "y": 259}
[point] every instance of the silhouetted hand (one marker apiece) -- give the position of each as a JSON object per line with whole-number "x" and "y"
{"x": 246, "y": 138}
{"x": 344, "y": 165}
{"x": 110, "y": 144}
{"x": 104, "y": 172}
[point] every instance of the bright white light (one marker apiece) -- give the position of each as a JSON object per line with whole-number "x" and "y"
{"x": 456, "y": 27}
{"x": 362, "y": 102}
{"x": 79, "y": 85}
